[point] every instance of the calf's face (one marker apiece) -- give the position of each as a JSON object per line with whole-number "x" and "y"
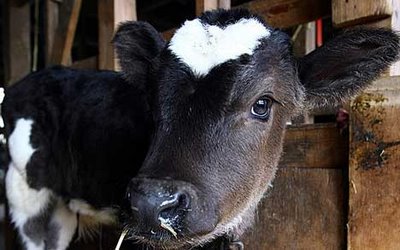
{"x": 221, "y": 92}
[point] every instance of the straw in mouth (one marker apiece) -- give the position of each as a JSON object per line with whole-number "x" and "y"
{"x": 166, "y": 225}
{"x": 121, "y": 239}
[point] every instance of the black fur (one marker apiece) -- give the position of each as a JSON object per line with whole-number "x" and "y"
{"x": 91, "y": 129}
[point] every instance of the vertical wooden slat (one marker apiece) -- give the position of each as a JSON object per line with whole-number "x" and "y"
{"x": 374, "y": 176}
{"x": 65, "y": 32}
{"x": 17, "y": 44}
{"x": 224, "y": 4}
{"x": 204, "y": 5}
{"x": 111, "y": 13}
{"x": 51, "y": 27}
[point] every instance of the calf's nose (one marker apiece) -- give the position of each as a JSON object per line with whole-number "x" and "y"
{"x": 159, "y": 203}
{"x": 174, "y": 204}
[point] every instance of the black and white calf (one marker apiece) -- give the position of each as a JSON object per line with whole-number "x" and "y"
{"x": 203, "y": 117}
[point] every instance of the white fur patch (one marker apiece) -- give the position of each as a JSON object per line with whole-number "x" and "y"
{"x": 19, "y": 143}
{"x": 90, "y": 219}
{"x": 103, "y": 216}
{"x": 24, "y": 201}
{"x": 67, "y": 222}
{"x": 203, "y": 46}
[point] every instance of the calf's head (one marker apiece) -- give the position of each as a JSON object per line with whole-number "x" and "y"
{"x": 221, "y": 92}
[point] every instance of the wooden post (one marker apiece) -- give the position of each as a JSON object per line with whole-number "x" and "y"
{"x": 204, "y": 5}
{"x": 17, "y": 44}
{"x": 62, "y": 41}
{"x": 52, "y": 10}
{"x": 111, "y": 13}
{"x": 374, "y": 214}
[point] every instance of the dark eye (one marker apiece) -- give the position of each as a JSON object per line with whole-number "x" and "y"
{"x": 262, "y": 107}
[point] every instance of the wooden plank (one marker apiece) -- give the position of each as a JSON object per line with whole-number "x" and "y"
{"x": 286, "y": 13}
{"x": 204, "y": 5}
{"x": 111, "y": 13}
{"x": 52, "y": 12}
{"x": 17, "y": 44}
{"x": 315, "y": 146}
{"x": 374, "y": 215}
{"x": 87, "y": 63}
{"x": 353, "y": 12}
{"x": 224, "y": 4}
{"x": 64, "y": 38}
{"x": 303, "y": 210}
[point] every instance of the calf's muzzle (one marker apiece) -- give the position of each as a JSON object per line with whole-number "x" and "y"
{"x": 169, "y": 207}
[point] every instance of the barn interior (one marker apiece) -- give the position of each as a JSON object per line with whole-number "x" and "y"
{"x": 331, "y": 187}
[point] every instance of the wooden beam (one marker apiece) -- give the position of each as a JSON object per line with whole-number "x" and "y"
{"x": 374, "y": 215}
{"x": 111, "y": 13}
{"x": 17, "y": 44}
{"x": 354, "y": 12}
{"x": 287, "y": 13}
{"x": 65, "y": 33}
{"x": 315, "y": 146}
{"x": 303, "y": 210}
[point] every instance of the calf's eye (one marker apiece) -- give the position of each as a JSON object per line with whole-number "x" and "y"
{"x": 261, "y": 108}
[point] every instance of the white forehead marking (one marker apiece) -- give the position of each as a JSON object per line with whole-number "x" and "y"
{"x": 203, "y": 46}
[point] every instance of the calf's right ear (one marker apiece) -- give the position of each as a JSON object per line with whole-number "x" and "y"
{"x": 346, "y": 64}
{"x": 137, "y": 44}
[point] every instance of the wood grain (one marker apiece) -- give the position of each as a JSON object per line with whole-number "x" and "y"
{"x": 17, "y": 44}
{"x": 353, "y": 12}
{"x": 374, "y": 215}
{"x": 111, "y": 13}
{"x": 303, "y": 210}
{"x": 286, "y": 13}
{"x": 62, "y": 42}
{"x": 315, "y": 146}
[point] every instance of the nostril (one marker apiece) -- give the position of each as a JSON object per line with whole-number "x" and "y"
{"x": 178, "y": 200}
{"x": 174, "y": 207}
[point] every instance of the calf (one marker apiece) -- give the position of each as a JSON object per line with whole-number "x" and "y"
{"x": 209, "y": 108}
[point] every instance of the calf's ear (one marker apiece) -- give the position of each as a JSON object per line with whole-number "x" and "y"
{"x": 137, "y": 44}
{"x": 346, "y": 64}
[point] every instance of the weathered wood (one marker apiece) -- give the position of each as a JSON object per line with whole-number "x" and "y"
{"x": 204, "y": 5}
{"x": 168, "y": 34}
{"x": 87, "y": 63}
{"x": 303, "y": 210}
{"x": 111, "y": 13}
{"x": 17, "y": 44}
{"x": 224, "y": 4}
{"x": 52, "y": 12}
{"x": 286, "y": 13}
{"x": 64, "y": 38}
{"x": 374, "y": 214}
{"x": 315, "y": 146}
{"x": 353, "y": 12}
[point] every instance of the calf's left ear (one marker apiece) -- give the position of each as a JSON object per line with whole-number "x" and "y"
{"x": 137, "y": 44}
{"x": 346, "y": 64}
